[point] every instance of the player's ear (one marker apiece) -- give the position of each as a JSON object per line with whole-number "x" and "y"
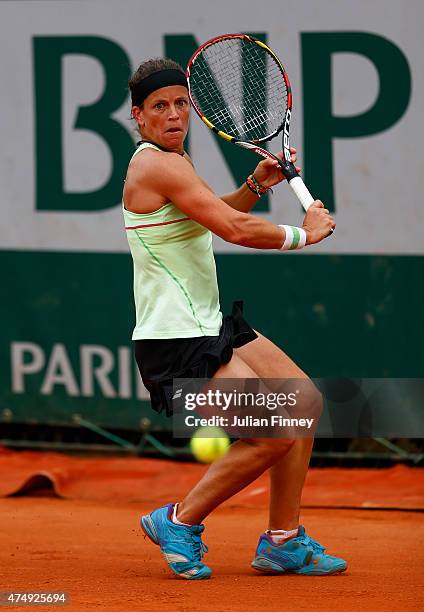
{"x": 138, "y": 115}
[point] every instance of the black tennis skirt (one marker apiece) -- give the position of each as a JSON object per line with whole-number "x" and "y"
{"x": 160, "y": 361}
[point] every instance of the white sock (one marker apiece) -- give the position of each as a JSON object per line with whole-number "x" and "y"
{"x": 175, "y": 520}
{"x": 280, "y": 535}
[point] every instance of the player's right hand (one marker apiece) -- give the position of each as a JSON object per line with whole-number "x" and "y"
{"x": 318, "y": 223}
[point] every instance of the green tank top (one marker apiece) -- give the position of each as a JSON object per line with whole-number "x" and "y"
{"x": 175, "y": 285}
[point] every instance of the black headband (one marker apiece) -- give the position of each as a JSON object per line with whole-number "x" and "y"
{"x": 156, "y": 80}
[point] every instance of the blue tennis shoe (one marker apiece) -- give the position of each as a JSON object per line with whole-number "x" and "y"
{"x": 181, "y": 545}
{"x": 299, "y": 555}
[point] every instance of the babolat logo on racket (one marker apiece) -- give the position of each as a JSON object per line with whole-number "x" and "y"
{"x": 286, "y": 135}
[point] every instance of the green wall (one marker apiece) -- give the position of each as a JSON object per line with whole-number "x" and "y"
{"x": 355, "y": 316}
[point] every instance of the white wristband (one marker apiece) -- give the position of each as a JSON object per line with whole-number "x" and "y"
{"x": 295, "y": 238}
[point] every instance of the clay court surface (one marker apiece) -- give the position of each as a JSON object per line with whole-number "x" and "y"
{"x": 94, "y": 550}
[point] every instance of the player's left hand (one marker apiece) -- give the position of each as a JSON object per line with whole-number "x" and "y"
{"x": 268, "y": 172}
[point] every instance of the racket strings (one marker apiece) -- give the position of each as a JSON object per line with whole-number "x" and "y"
{"x": 239, "y": 87}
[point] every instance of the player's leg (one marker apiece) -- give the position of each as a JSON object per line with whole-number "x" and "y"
{"x": 178, "y": 529}
{"x": 298, "y": 553}
{"x": 287, "y": 475}
{"x": 245, "y": 460}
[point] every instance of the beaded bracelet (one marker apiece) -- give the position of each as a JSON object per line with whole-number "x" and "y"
{"x": 255, "y": 187}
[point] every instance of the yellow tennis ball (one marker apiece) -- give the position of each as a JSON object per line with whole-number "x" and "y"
{"x": 209, "y": 443}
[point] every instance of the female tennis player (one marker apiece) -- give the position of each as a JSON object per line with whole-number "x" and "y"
{"x": 170, "y": 213}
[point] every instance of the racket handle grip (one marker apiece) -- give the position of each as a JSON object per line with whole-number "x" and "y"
{"x": 301, "y": 191}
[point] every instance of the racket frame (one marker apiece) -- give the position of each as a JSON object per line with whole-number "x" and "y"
{"x": 286, "y": 165}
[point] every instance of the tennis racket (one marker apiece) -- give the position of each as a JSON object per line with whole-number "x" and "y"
{"x": 241, "y": 91}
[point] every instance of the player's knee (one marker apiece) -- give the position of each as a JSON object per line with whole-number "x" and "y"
{"x": 310, "y": 401}
{"x": 316, "y": 403}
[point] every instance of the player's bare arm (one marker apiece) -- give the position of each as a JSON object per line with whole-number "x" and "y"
{"x": 173, "y": 179}
{"x": 168, "y": 177}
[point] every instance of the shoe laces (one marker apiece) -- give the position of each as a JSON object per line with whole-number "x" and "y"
{"x": 199, "y": 547}
{"x": 313, "y": 544}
